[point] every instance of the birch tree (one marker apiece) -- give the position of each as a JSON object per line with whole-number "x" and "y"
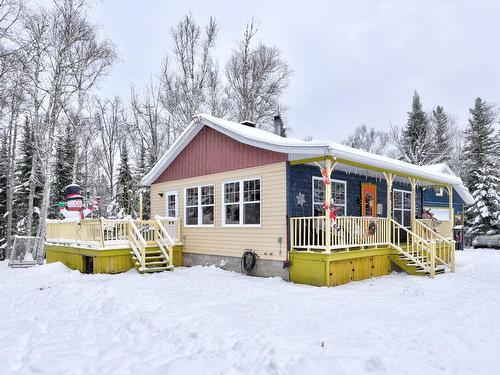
{"x": 257, "y": 77}
{"x": 187, "y": 71}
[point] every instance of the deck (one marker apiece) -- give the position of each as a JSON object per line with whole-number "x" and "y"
{"x": 354, "y": 248}
{"x": 115, "y": 245}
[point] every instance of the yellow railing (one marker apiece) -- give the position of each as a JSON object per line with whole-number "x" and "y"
{"x": 445, "y": 247}
{"x": 443, "y": 228}
{"x": 138, "y": 244}
{"x": 346, "y": 232}
{"x": 108, "y": 232}
{"x": 422, "y": 246}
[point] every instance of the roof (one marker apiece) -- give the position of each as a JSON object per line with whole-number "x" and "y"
{"x": 297, "y": 149}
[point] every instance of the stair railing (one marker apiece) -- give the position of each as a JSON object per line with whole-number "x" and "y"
{"x": 138, "y": 244}
{"x": 445, "y": 248}
{"x": 164, "y": 240}
{"x": 416, "y": 249}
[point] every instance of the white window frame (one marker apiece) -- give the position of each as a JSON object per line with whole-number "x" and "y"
{"x": 241, "y": 204}
{"x": 402, "y": 209}
{"x": 199, "y": 205}
{"x": 166, "y": 195}
{"x": 331, "y": 181}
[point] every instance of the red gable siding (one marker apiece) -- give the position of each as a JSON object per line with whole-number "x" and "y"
{"x": 212, "y": 152}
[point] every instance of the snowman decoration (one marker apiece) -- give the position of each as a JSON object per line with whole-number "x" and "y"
{"x": 73, "y": 207}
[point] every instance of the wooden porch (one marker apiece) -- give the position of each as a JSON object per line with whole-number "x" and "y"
{"x": 149, "y": 244}
{"x": 424, "y": 247}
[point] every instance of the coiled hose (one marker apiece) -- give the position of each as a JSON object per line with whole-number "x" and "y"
{"x": 248, "y": 261}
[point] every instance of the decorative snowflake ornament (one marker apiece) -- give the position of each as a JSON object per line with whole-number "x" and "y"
{"x": 301, "y": 199}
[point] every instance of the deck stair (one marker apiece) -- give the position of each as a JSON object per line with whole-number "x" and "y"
{"x": 418, "y": 255}
{"x": 149, "y": 258}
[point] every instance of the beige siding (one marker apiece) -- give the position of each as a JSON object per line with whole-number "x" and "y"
{"x": 232, "y": 241}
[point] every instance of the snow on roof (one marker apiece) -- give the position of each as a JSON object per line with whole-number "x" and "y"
{"x": 291, "y": 146}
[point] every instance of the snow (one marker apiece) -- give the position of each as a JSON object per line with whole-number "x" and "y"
{"x": 299, "y": 148}
{"x": 204, "y": 320}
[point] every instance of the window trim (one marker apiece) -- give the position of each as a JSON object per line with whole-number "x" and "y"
{"x": 402, "y": 209}
{"x": 199, "y": 205}
{"x": 241, "y": 203}
{"x": 344, "y": 182}
{"x": 166, "y": 195}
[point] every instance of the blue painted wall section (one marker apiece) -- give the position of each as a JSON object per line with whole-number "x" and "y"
{"x": 432, "y": 200}
{"x": 299, "y": 180}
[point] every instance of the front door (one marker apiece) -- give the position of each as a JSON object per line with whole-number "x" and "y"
{"x": 368, "y": 199}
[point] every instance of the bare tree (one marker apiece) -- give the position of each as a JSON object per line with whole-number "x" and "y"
{"x": 150, "y": 122}
{"x": 111, "y": 129}
{"x": 369, "y": 140}
{"x": 257, "y": 77}
{"x": 185, "y": 76}
{"x": 69, "y": 29}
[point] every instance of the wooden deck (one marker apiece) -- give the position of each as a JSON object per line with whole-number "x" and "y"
{"x": 112, "y": 246}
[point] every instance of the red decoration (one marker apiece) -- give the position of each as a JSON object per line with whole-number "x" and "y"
{"x": 326, "y": 178}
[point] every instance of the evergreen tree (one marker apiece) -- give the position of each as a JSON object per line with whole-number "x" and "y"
{"x": 27, "y": 149}
{"x": 442, "y": 143}
{"x": 482, "y": 175}
{"x": 125, "y": 183}
{"x": 416, "y": 136}
{"x": 65, "y": 153}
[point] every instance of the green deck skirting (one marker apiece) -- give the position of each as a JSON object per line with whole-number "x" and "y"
{"x": 104, "y": 260}
{"x": 339, "y": 267}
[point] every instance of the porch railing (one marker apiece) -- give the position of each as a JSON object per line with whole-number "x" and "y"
{"x": 108, "y": 232}
{"x": 422, "y": 245}
{"x": 445, "y": 247}
{"x": 443, "y": 228}
{"x": 309, "y": 233}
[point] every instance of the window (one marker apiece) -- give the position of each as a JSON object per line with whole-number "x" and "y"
{"x": 338, "y": 194}
{"x": 171, "y": 199}
{"x": 402, "y": 207}
{"x": 241, "y": 202}
{"x": 199, "y": 206}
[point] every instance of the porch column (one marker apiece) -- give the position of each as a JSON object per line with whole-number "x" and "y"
{"x": 413, "y": 182}
{"x": 389, "y": 178}
{"x": 452, "y": 224}
{"x": 328, "y": 195}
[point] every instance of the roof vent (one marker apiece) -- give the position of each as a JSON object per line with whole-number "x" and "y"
{"x": 248, "y": 123}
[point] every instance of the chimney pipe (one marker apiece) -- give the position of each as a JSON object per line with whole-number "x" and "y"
{"x": 248, "y": 123}
{"x": 278, "y": 126}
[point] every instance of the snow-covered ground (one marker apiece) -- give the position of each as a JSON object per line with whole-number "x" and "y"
{"x": 204, "y": 320}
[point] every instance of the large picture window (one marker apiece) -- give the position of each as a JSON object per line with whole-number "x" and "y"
{"x": 199, "y": 205}
{"x": 338, "y": 194}
{"x": 402, "y": 207}
{"x": 241, "y": 202}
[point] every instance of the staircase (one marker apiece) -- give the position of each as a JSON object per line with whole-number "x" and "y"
{"x": 149, "y": 259}
{"x": 427, "y": 256}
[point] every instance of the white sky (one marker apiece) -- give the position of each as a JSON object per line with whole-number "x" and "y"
{"x": 354, "y": 62}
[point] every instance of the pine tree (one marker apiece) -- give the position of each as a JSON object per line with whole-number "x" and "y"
{"x": 65, "y": 153}
{"x": 482, "y": 175}
{"x": 27, "y": 150}
{"x": 442, "y": 144}
{"x": 125, "y": 183}
{"x": 416, "y": 144}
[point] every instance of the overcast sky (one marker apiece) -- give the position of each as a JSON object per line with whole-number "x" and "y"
{"x": 354, "y": 62}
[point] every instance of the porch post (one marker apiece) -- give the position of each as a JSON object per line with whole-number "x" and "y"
{"x": 452, "y": 224}
{"x": 413, "y": 182}
{"x": 389, "y": 178}
{"x": 450, "y": 205}
{"x": 328, "y": 195}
